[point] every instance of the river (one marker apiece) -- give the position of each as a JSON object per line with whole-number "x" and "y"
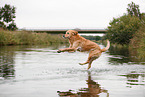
{"x": 39, "y": 71}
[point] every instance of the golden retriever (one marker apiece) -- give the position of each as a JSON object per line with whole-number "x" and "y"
{"x": 81, "y": 44}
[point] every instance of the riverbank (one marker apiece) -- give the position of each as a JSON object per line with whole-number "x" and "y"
{"x": 28, "y": 38}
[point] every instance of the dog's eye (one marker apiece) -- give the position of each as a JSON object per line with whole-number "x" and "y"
{"x": 67, "y": 33}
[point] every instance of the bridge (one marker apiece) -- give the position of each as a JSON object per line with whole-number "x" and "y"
{"x": 62, "y": 31}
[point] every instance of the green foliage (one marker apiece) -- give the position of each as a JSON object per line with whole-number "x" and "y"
{"x": 121, "y": 29}
{"x": 7, "y": 15}
{"x": 133, "y": 10}
{"x": 28, "y": 38}
{"x": 143, "y": 18}
{"x": 2, "y": 25}
{"x": 137, "y": 43}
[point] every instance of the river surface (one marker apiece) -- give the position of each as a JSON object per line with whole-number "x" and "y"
{"x": 39, "y": 71}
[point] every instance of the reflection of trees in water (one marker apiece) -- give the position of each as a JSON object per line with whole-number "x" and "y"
{"x": 137, "y": 55}
{"x": 122, "y": 55}
{"x": 6, "y": 61}
{"x": 135, "y": 78}
{"x": 93, "y": 90}
{"x": 116, "y": 50}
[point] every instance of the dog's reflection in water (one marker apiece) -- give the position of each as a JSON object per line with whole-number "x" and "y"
{"x": 93, "y": 90}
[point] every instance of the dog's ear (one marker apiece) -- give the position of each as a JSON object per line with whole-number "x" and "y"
{"x": 74, "y": 32}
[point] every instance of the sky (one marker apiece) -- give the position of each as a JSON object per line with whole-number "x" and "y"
{"x": 68, "y": 14}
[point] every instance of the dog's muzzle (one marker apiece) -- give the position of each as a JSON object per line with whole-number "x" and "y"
{"x": 65, "y": 37}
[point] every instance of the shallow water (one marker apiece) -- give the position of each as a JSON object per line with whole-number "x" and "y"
{"x": 39, "y": 71}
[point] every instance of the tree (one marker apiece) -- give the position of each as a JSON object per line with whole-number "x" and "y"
{"x": 143, "y": 18}
{"x": 7, "y": 15}
{"x": 133, "y": 10}
{"x": 121, "y": 29}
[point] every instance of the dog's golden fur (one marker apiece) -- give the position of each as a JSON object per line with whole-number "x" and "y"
{"x": 81, "y": 44}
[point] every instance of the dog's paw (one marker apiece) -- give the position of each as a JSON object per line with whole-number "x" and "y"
{"x": 81, "y": 63}
{"x": 59, "y": 51}
{"x": 79, "y": 49}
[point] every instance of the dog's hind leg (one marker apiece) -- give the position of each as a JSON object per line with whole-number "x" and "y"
{"x": 84, "y": 63}
{"x": 88, "y": 61}
{"x": 92, "y": 57}
{"x": 91, "y": 60}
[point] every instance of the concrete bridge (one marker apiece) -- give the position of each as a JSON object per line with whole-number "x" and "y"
{"x": 62, "y": 31}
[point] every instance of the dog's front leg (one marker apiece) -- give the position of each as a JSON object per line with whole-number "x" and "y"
{"x": 70, "y": 46}
{"x": 66, "y": 49}
{"x": 72, "y": 49}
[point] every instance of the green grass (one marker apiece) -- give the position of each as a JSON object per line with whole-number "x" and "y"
{"x": 28, "y": 38}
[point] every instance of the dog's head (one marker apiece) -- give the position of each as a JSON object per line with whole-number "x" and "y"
{"x": 70, "y": 33}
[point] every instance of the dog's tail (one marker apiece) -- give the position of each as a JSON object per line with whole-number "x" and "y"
{"x": 107, "y": 47}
